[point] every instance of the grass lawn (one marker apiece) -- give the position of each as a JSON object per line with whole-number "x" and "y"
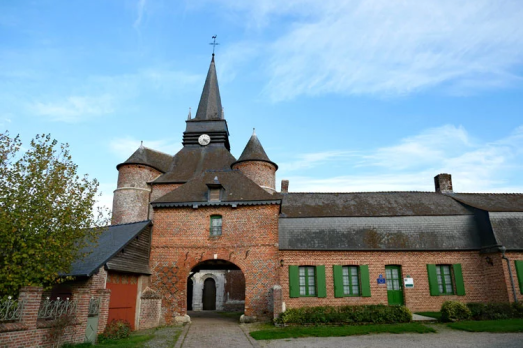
{"x": 505, "y": 325}
{"x": 435, "y": 315}
{"x": 134, "y": 341}
{"x": 337, "y": 331}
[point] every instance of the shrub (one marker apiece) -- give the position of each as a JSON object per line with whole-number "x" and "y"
{"x": 454, "y": 310}
{"x": 494, "y": 311}
{"x": 375, "y": 314}
{"x": 115, "y": 330}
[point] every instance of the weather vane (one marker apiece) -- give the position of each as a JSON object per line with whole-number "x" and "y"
{"x": 214, "y": 43}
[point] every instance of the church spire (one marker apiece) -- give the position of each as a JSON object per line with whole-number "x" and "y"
{"x": 210, "y": 107}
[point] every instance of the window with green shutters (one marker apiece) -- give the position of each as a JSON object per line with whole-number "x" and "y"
{"x": 446, "y": 280}
{"x": 351, "y": 281}
{"x": 307, "y": 281}
{"x": 519, "y": 272}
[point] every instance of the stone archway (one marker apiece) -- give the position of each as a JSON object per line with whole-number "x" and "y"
{"x": 228, "y": 283}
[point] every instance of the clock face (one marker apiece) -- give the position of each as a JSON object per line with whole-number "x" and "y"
{"x": 204, "y": 139}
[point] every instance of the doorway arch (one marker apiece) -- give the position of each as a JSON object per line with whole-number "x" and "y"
{"x": 216, "y": 285}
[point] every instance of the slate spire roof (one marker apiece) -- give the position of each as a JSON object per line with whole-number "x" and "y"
{"x": 210, "y": 107}
{"x": 254, "y": 151}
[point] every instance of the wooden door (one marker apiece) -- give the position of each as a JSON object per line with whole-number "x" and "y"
{"x": 122, "y": 303}
{"x": 394, "y": 285}
{"x": 209, "y": 295}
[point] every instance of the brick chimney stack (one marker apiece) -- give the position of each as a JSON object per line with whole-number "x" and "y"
{"x": 284, "y": 186}
{"x": 443, "y": 183}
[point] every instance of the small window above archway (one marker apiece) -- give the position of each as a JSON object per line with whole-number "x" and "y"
{"x": 216, "y": 225}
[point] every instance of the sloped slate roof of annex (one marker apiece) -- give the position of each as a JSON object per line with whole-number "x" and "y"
{"x": 149, "y": 157}
{"x": 237, "y": 188}
{"x": 191, "y": 161}
{"x": 369, "y": 204}
{"x": 492, "y": 202}
{"x": 112, "y": 239}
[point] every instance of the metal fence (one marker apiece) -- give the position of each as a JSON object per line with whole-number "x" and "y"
{"x": 94, "y": 306}
{"x": 52, "y": 309}
{"x": 11, "y": 310}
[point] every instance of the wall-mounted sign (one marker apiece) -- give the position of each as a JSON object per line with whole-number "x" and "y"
{"x": 381, "y": 280}
{"x": 409, "y": 282}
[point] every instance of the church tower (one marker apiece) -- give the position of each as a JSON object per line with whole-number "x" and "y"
{"x": 256, "y": 165}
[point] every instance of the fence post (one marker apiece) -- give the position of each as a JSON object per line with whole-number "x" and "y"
{"x": 82, "y": 296}
{"x": 103, "y": 314}
{"x": 32, "y": 297}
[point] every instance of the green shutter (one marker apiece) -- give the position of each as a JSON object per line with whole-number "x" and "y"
{"x": 294, "y": 282}
{"x": 321, "y": 286}
{"x": 365, "y": 280}
{"x": 519, "y": 272}
{"x": 458, "y": 277}
{"x": 433, "y": 280}
{"x": 338, "y": 281}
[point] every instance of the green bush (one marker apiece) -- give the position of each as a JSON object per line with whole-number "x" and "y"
{"x": 495, "y": 311}
{"x": 115, "y": 330}
{"x": 375, "y": 314}
{"x": 454, "y": 310}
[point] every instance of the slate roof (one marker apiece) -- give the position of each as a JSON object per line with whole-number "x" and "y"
{"x": 237, "y": 188}
{"x": 113, "y": 239}
{"x": 508, "y": 229}
{"x": 254, "y": 152}
{"x": 370, "y": 204}
{"x": 455, "y": 232}
{"x": 193, "y": 160}
{"x": 210, "y": 106}
{"x": 494, "y": 202}
{"x": 149, "y": 157}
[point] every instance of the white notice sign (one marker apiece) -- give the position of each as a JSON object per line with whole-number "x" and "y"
{"x": 409, "y": 282}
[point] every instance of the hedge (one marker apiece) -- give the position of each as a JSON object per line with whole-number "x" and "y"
{"x": 369, "y": 314}
{"x": 494, "y": 311}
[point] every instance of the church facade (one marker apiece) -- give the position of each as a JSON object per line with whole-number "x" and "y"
{"x": 222, "y": 236}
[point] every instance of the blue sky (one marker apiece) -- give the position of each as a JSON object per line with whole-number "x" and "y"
{"x": 344, "y": 95}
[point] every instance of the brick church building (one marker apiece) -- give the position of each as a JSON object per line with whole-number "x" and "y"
{"x": 220, "y": 235}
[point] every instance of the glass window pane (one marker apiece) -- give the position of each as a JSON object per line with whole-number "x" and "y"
{"x": 388, "y": 274}
{"x": 395, "y": 273}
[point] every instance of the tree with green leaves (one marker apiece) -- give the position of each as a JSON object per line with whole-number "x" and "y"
{"x": 47, "y": 215}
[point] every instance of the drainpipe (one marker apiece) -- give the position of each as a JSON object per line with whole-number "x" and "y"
{"x": 503, "y": 249}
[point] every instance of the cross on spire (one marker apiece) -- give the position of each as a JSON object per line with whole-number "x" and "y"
{"x": 213, "y": 43}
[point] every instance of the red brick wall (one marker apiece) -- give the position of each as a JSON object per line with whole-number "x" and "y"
{"x": 181, "y": 240}
{"x": 131, "y": 198}
{"x": 235, "y": 285}
{"x": 477, "y": 284}
{"x": 262, "y": 173}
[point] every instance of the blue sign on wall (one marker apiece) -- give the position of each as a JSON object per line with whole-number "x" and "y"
{"x": 381, "y": 280}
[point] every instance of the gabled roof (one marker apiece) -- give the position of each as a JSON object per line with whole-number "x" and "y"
{"x": 210, "y": 106}
{"x": 254, "y": 152}
{"x": 149, "y": 157}
{"x": 113, "y": 239}
{"x": 508, "y": 229}
{"x": 370, "y": 204}
{"x": 192, "y": 160}
{"x": 495, "y": 202}
{"x": 237, "y": 188}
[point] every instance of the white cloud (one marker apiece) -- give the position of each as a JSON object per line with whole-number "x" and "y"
{"x": 75, "y": 108}
{"x": 140, "y": 9}
{"x": 410, "y": 165}
{"x": 388, "y": 48}
{"x": 126, "y": 146}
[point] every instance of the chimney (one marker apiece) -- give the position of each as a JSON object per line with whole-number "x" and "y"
{"x": 284, "y": 186}
{"x": 443, "y": 183}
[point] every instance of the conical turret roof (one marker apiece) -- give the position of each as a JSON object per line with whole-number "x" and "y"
{"x": 254, "y": 152}
{"x": 210, "y": 107}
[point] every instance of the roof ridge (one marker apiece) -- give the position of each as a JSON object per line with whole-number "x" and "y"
{"x": 163, "y": 153}
{"x": 129, "y": 223}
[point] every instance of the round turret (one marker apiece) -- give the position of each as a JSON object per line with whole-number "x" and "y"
{"x": 256, "y": 165}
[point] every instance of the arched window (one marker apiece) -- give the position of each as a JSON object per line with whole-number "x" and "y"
{"x": 216, "y": 225}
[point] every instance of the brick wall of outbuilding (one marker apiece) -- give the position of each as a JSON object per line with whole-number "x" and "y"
{"x": 512, "y": 256}
{"x": 181, "y": 240}
{"x": 480, "y": 286}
